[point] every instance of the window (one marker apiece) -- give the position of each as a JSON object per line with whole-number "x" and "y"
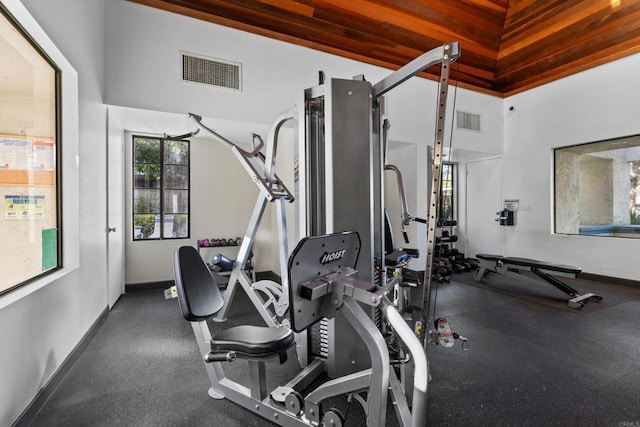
{"x": 447, "y": 192}
{"x": 160, "y": 188}
{"x": 597, "y": 188}
{"x": 29, "y": 151}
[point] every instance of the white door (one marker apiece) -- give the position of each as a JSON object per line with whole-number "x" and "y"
{"x": 115, "y": 213}
{"x": 484, "y": 199}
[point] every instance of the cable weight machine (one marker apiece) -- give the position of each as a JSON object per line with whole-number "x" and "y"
{"x": 340, "y": 186}
{"x": 269, "y": 298}
{"x": 334, "y": 274}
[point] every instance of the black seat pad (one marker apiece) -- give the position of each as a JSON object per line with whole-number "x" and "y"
{"x": 527, "y": 262}
{"x": 490, "y": 257}
{"x": 253, "y": 341}
{"x": 542, "y": 265}
{"x": 396, "y": 257}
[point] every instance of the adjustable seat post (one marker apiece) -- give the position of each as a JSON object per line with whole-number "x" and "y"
{"x": 258, "y": 379}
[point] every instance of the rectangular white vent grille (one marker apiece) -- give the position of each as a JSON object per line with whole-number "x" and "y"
{"x": 468, "y": 121}
{"x": 210, "y": 71}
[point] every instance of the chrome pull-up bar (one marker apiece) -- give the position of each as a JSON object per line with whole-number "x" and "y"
{"x": 220, "y": 138}
{"x": 450, "y": 52}
{"x": 183, "y": 136}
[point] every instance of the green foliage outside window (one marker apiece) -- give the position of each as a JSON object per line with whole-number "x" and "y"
{"x": 160, "y": 188}
{"x": 446, "y": 192}
{"x": 634, "y": 173}
{"x": 147, "y": 158}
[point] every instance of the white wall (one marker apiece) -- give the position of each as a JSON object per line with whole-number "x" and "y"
{"x": 598, "y": 104}
{"x": 40, "y": 330}
{"x": 143, "y": 71}
{"x": 143, "y": 66}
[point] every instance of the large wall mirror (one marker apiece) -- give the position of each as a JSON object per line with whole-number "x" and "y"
{"x": 597, "y": 188}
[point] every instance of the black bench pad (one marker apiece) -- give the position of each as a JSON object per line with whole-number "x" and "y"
{"x": 490, "y": 257}
{"x": 396, "y": 257}
{"x": 527, "y": 262}
{"x": 543, "y": 265}
{"x": 253, "y": 341}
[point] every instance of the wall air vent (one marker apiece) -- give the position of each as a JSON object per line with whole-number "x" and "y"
{"x": 468, "y": 121}
{"x": 211, "y": 71}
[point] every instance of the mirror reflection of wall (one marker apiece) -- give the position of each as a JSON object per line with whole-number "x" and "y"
{"x": 597, "y": 188}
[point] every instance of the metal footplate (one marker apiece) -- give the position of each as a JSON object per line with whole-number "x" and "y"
{"x": 580, "y": 300}
{"x": 445, "y": 336}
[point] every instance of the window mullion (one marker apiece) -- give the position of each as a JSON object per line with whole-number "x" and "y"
{"x": 162, "y": 154}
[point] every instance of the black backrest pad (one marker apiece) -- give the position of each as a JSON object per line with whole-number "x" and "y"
{"x": 543, "y": 265}
{"x": 389, "y": 241}
{"x": 489, "y": 257}
{"x": 198, "y": 294}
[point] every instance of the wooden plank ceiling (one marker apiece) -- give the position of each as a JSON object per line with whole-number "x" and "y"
{"x": 507, "y": 46}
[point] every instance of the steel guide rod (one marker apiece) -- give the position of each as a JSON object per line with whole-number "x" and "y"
{"x": 436, "y": 175}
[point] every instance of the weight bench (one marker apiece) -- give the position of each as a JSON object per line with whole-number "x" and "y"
{"x": 533, "y": 270}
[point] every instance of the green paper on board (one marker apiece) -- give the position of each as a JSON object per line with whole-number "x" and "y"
{"x": 49, "y": 248}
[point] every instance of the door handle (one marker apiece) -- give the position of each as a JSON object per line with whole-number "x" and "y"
{"x": 111, "y": 229}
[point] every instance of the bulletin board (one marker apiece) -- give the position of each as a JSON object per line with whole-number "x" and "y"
{"x": 25, "y": 161}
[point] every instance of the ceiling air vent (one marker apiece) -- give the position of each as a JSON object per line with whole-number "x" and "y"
{"x": 211, "y": 71}
{"x": 468, "y": 121}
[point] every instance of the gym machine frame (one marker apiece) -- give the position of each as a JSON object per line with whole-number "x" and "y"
{"x": 340, "y": 187}
{"x": 269, "y": 298}
{"x": 320, "y": 274}
{"x": 351, "y": 160}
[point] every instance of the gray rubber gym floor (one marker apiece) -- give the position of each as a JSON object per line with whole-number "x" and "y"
{"x": 528, "y": 364}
